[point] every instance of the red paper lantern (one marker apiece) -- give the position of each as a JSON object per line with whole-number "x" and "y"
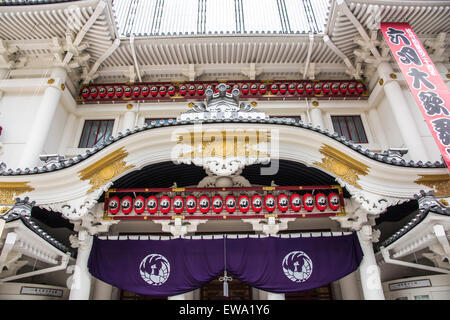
{"x": 119, "y": 92}
{"x": 334, "y": 201}
{"x": 309, "y": 88}
{"x": 335, "y": 88}
{"x": 228, "y": 88}
{"x": 102, "y": 92}
{"x": 308, "y": 202}
{"x": 343, "y": 87}
{"x": 245, "y": 89}
{"x": 191, "y": 204}
{"x": 274, "y": 88}
{"x": 111, "y": 92}
{"x": 94, "y": 92}
{"x": 244, "y": 204}
{"x": 204, "y": 204}
{"x": 152, "y": 204}
{"x": 154, "y": 91}
{"x": 164, "y": 204}
{"x": 283, "y": 88}
{"x": 283, "y": 202}
{"x": 200, "y": 90}
{"x": 326, "y": 88}
{"x": 321, "y": 201}
{"x": 300, "y": 88}
{"x": 85, "y": 92}
{"x": 217, "y": 204}
{"x": 360, "y": 88}
{"x": 269, "y": 203}
{"x": 128, "y": 92}
{"x": 317, "y": 88}
{"x": 262, "y": 88}
{"x": 114, "y": 205}
{"x": 162, "y": 91}
{"x": 178, "y": 204}
{"x": 296, "y": 202}
{"x": 136, "y": 91}
{"x": 145, "y": 91}
{"x": 183, "y": 90}
{"x": 352, "y": 87}
{"x": 254, "y": 88}
{"x": 171, "y": 91}
{"x": 126, "y": 204}
{"x": 292, "y": 88}
{"x": 230, "y": 204}
{"x": 139, "y": 205}
{"x": 191, "y": 90}
{"x": 257, "y": 203}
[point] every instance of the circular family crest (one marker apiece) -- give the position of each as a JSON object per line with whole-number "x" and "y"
{"x": 155, "y": 269}
{"x": 297, "y": 266}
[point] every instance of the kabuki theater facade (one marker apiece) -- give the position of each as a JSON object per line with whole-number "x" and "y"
{"x": 224, "y": 149}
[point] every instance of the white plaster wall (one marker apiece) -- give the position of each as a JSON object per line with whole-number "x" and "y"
{"x": 17, "y": 112}
{"x": 56, "y": 131}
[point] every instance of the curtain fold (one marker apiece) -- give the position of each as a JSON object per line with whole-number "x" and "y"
{"x": 175, "y": 266}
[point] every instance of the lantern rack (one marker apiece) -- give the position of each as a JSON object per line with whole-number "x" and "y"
{"x": 224, "y": 203}
{"x": 195, "y": 90}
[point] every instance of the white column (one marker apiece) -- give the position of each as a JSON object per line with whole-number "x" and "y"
{"x": 368, "y": 269}
{"x": 81, "y": 283}
{"x": 349, "y": 287}
{"x": 43, "y": 120}
{"x": 115, "y": 294}
{"x": 275, "y": 296}
{"x": 129, "y": 120}
{"x": 317, "y": 117}
{"x": 442, "y": 69}
{"x": 402, "y": 114}
{"x": 69, "y": 132}
{"x": 3, "y": 73}
{"x": 102, "y": 290}
{"x": 375, "y": 123}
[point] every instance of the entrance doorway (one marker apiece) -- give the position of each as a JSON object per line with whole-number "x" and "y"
{"x": 321, "y": 293}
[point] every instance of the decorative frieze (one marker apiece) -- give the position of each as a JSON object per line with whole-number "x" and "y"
{"x": 440, "y": 183}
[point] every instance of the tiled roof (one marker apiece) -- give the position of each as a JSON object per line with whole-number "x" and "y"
{"x": 427, "y": 203}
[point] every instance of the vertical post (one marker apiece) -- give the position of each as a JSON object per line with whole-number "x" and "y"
{"x": 349, "y": 287}
{"x": 369, "y": 271}
{"x": 317, "y": 117}
{"x": 3, "y": 73}
{"x": 44, "y": 118}
{"x": 81, "y": 284}
{"x": 129, "y": 119}
{"x": 102, "y": 291}
{"x": 402, "y": 114}
{"x": 68, "y": 134}
{"x": 375, "y": 123}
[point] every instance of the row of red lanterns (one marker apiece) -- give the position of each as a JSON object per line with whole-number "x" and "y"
{"x": 204, "y": 204}
{"x": 318, "y": 88}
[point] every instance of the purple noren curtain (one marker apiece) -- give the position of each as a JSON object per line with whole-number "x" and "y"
{"x": 176, "y": 266}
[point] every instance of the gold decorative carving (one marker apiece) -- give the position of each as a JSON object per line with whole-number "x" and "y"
{"x": 129, "y": 106}
{"x": 342, "y": 165}
{"x": 51, "y": 81}
{"x": 393, "y": 76}
{"x": 63, "y": 87}
{"x": 440, "y": 183}
{"x": 381, "y": 82}
{"x": 10, "y": 190}
{"x": 105, "y": 169}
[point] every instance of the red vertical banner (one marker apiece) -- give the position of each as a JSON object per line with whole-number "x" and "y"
{"x": 424, "y": 81}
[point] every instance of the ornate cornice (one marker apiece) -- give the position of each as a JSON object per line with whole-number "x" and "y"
{"x": 10, "y": 190}
{"x": 440, "y": 183}
{"x": 105, "y": 169}
{"x": 342, "y": 165}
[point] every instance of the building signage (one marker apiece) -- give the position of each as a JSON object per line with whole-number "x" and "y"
{"x": 35, "y": 291}
{"x": 410, "y": 284}
{"x": 424, "y": 81}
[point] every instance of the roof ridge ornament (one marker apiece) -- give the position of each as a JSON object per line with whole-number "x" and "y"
{"x": 222, "y": 105}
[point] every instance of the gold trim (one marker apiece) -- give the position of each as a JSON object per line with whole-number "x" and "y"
{"x": 105, "y": 169}
{"x": 440, "y": 183}
{"x": 51, "y": 81}
{"x": 315, "y": 103}
{"x": 393, "y": 76}
{"x": 63, "y": 87}
{"x": 342, "y": 165}
{"x": 129, "y": 106}
{"x": 381, "y": 82}
{"x": 10, "y": 190}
